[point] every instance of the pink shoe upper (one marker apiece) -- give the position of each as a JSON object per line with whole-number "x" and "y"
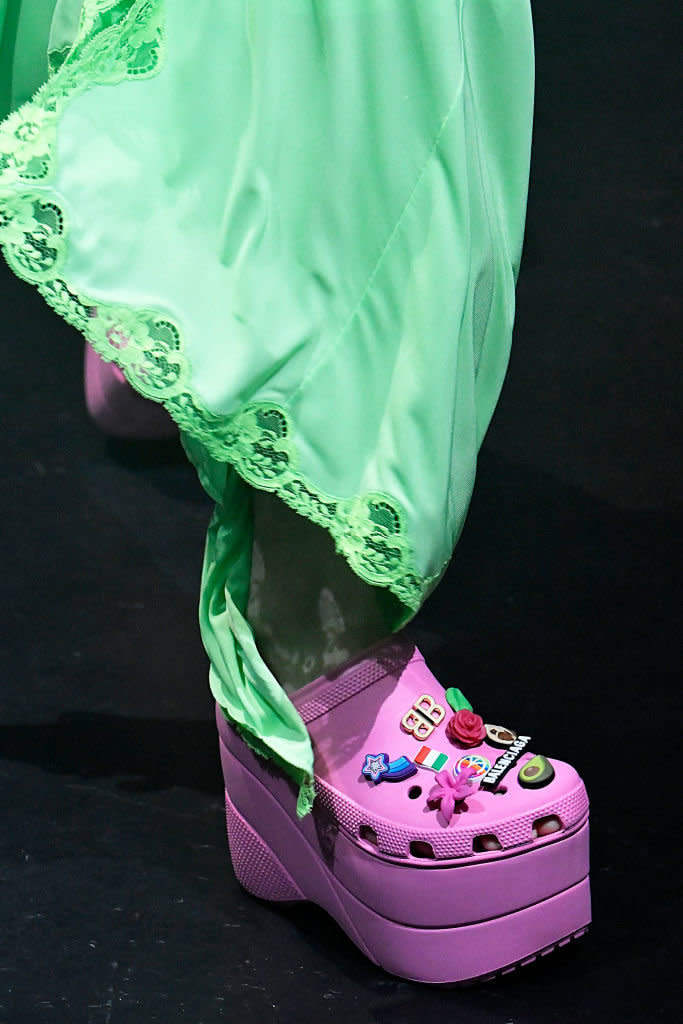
{"x": 378, "y": 718}
{"x": 117, "y": 408}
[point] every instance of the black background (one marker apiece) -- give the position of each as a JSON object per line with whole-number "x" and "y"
{"x": 559, "y": 613}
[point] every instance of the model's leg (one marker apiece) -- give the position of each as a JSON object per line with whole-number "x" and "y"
{"x": 309, "y": 611}
{"x": 308, "y": 253}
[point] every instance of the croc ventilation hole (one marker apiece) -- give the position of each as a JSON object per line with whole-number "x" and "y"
{"x": 546, "y": 826}
{"x": 418, "y": 848}
{"x": 486, "y": 844}
{"x": 368, "y": 834}
{"x": 499, "y": 791}
{"x": 414, "y": 792}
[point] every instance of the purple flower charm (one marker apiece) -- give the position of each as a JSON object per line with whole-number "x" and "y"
{"x": 450, "y": 790}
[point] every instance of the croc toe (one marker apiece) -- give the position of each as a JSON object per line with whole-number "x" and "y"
{"x": 116, "y": 408}
{"x": 442, "y": 843}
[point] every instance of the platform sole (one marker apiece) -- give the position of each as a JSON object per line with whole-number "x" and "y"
{"x": 435, "y": 955}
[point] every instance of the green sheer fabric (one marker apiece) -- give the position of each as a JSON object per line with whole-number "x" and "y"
{"x": 296, "y": 223}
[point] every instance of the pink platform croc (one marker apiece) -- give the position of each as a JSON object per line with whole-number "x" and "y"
{"x": 441, "y": 844}
{"x": 116, "y": 408}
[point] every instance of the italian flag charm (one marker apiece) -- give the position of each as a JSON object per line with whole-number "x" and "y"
{"x": 428, "y": 758}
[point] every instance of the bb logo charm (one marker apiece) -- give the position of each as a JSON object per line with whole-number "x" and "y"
{"x": 423, "y": 717}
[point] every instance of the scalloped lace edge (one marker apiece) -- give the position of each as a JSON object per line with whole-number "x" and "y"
{"x": 125, "y": 40}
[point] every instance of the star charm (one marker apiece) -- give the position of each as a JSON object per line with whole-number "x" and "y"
{"x": 376, "y": 765}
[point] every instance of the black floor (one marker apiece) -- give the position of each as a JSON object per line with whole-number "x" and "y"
{"x": 118, "y": 902}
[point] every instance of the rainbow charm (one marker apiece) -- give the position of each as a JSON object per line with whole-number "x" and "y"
{"x": 473, "y": 764}
{"x": 378, "y": 768}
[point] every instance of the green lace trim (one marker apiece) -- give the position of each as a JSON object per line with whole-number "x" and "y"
{"x": 304, "y": 781}
{"x": 125, "y": 40}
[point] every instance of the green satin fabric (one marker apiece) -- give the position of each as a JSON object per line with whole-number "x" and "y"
{"x": 24, "y": 34}
{"x": 34, "y": 35}
{"x": 327, "y": 198}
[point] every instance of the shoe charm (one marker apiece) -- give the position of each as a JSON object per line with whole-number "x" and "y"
{"x": 536, "y": 773}
{"x": 428, "y": 758}
{"x": 399, "y": 769}
{"x": 500, "y": 735}
{"x": 505, "y": 762}
{"x": 466, "y": 729}
{"x": 423, "y": 717}
{"x": 457, "y": 699}
{"x": 474, "y": 765}
{"x": 449, "y": 793}
{"x": 378, "y": 768}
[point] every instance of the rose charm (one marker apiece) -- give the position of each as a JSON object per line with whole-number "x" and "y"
{"x": 466, "y": 728}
